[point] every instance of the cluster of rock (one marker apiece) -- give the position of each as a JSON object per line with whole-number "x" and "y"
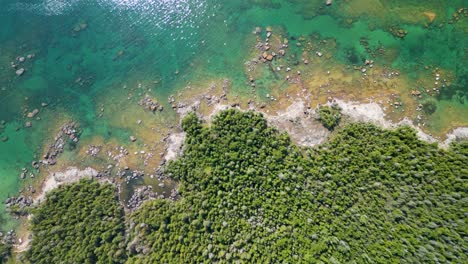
{"x": 121, "y": 152}
{"x": 439, "y": 83}
{"x": 9, "y": 238}
{"x": 267, "y": 54}
{"x": 69, "y": 131}
{"x": 368, "y": 64}
{"x": 24, "y": 171}
{"x": 33, "y": 114}
{"x": 398, "y": 32}
{"x": 80, "y": 27}
{"x": 2, "y": 129}
{"x": 140, "y": 195}
{"x": 130, "y": 175}
{"x": 461, "y": 13}
{"x": 16, "y": 64}
{"x": 150, "y": 104}
{"x": 17, "y": 205}
{"x": 93, "y": 150}
{"x": 175, "y": 105}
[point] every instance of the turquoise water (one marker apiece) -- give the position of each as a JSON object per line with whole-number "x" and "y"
{"x": 89, "y": 49}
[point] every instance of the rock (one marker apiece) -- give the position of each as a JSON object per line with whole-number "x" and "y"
{"x": 21, "y": 59}
{"x": 150, "y": 104}
{"x": 268, "y": 29}
{"x": 328, "y": 2}
{"x": 306, "y": 62}
{"x": 44, "y": 104}
{"x": 4, "y": 139}
{"x": 28, "y": 124}
{"x": 265, "y": 55}
{"x": 35, "y": 164}
{"x": 363, "y": 70}
{"x": 132, "y": 138}
{"x": 268, "y": 34}
{"x": 415, "y": 93}
{"x": 258, "y": 30}
{"x": 20, "y": 71}
{"x": 33, "y": 113}
{"x": 269, "y": 57}
{"x": 318, "y": 53}
{"x": 281, "y": 52}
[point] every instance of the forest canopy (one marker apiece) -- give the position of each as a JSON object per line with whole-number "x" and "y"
{"x": 79, "y": 223}
{"x": 249, "y": 195}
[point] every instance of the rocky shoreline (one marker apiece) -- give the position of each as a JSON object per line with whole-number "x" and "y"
{"x": 300, "y": 121}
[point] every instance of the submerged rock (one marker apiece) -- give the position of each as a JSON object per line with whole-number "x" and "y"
{"x": 20, "y": 71}
{"x": 33, "y": 113}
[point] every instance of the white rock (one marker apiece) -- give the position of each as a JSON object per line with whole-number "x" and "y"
{"x": 20, "y": 71}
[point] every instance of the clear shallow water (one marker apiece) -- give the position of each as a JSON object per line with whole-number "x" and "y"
{"x": 85, "y": 50}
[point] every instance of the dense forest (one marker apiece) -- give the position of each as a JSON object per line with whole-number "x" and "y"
{"x": 79, "y": 223}
{"x": 248, "y": 195}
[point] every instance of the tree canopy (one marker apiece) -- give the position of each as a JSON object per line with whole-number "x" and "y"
{"x": 79, "y": 223}
{"x": 250, "y": 196}
{"x": 329, "y": 116}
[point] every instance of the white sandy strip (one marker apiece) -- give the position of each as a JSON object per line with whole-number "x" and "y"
{"x": 307, "y": 131}
{"x": 373, "y": 112}
{"x": 456, "y": 134}
{"x": 303, "y": 129}
{"x": 72, "y": 174}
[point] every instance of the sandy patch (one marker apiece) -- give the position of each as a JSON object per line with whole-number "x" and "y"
{"x": 72, "y": 174}
{"x": 174, "y": 145}
{"x": 457, "y": 134}
{"x": 301, "y": 125}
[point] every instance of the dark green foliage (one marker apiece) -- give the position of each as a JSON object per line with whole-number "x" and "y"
{"x": 429, "y": 106}
{"x": 329, "y": 116}
{"x": 250, "y": 196}
{"x": 79, "y": 223}
{"x": 5, "y": 251}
